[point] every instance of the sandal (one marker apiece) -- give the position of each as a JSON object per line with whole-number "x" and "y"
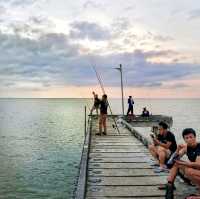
{"x": 164, "y": 187}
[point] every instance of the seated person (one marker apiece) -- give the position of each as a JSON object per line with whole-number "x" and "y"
{"x": 145, "y": 112}
{"x": 163, "y": 146}
{"x": 191, "y": 168}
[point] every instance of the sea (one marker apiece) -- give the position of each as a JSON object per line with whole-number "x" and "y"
{"x": 41, "y": 141}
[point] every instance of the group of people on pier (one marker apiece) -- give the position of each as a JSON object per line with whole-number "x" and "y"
{"x": 167, "y": 157}
{"x": 102, "y": 104}
{"x": 164, "y": 149}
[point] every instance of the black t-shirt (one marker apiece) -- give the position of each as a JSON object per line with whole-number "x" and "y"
{"x": 130, "y": 102}
{"x": 145, "y": 113}
{"x": 169, "y": 137}
{"x": 192, "y": 153}
{"x": 96, "y": 102}
{"x": 103, "y": 107}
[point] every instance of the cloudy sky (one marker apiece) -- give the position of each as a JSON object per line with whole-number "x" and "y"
{"x": 48, "y": 47}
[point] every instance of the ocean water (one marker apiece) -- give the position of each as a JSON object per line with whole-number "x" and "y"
{"x": 41, "y": 141}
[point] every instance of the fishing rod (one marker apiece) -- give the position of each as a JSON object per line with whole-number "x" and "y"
{"x": 103, "y": 90}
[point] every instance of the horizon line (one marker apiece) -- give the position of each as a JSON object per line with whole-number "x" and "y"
{"x": 92, "y": 98}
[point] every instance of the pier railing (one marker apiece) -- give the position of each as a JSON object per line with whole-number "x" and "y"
{"x": 82, "y": 180}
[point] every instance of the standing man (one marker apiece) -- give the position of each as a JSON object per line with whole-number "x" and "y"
{"x": 163, "y": 146}
{"x": 96, "y": 103}
{"x": 103, "y": 115}
{"x": 130, "y": 105}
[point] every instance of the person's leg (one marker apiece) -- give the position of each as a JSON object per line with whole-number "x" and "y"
{"x": 128, "y": 110}
{"x": 193, "y": 175}
{"x": 131, "y": 110}
{"x": 171, "y": 177}
{"x": 100, "y": 124}
{"x": 92, "y": 109}
{"x": 173, "y": 173}
{"x": 153, "y": 151}
{"x": 162, "y": 155}
{"x": 97, "y": 110}
{"x": 104, "y": 124}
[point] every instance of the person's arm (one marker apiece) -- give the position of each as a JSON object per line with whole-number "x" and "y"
{"x": 181, "y": 150}
{"x": 194, "y": 165}
{"x": 166, "y": 146}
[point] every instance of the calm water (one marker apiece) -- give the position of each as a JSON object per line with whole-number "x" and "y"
{"x": 41, "y": 142}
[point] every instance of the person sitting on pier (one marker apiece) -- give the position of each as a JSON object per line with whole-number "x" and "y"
{"x": 191, "y": 168}
{"x": 96, "y": 103}
{"x": 163, "y": 146}
{"x": 103, "y": 115}
{"x": 145, "y": 112}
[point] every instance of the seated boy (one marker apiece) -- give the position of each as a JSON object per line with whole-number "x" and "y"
{"x": 191, "y": 168}
{"x": 163, "y": 146}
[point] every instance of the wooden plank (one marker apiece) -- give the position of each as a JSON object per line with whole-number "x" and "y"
{"x": 123, "y": 172}
{"x": 155, "y": 197}
{"x": 124, "y": 191}
{"x": 119, "y": 155}
{"x": 129, "y": 159}
{"x": 117, "y": 139}
{"x": 119, "y": 150}
{"x": 115, "y": 165}
{"x": 129, "y": 147}
{"x": 127, "y": 181}
{"x": 119, "y": 144}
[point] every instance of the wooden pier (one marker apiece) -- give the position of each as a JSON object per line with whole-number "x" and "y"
{"x": 118, "y": 165}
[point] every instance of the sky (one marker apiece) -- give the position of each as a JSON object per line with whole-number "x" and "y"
{"x": 49, "y": 48}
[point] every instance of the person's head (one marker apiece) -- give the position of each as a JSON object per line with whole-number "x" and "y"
{"x": 144, "y": 108}
{"x": 96, "y": 95}
{"x": 162, "y": 128}
{"x": 104, "y": 97}
{"x": 189, "y": 135}
{"x": 130, "y": 97}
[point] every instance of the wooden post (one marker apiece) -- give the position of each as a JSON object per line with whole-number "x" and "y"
{"x": 122, "y": 88}
{"x": 85, "y": 121}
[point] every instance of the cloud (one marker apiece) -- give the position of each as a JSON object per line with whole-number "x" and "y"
{"x": 30, "y": 60}
{"x": 130, "y": 8}
{"x": 138, "y": 72}
{"x": 19, "y": 3}
{"x": 54, "y": 59}
{"x": 91, "y": 4}
{"x": 162, "y": 38}
{"x": 194, "y": 14}
{"x": 88, "y": 30}
{"x": 2, "y": 10}
{"x": 33, "y": 26}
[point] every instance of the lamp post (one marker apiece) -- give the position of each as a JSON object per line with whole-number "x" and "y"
{"x": 122, "y": 89}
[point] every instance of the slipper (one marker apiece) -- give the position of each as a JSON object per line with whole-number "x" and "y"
{"x": 161, "y": 170}
{"x": 164, "y": 187}
{"x": 98, "y": 134}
